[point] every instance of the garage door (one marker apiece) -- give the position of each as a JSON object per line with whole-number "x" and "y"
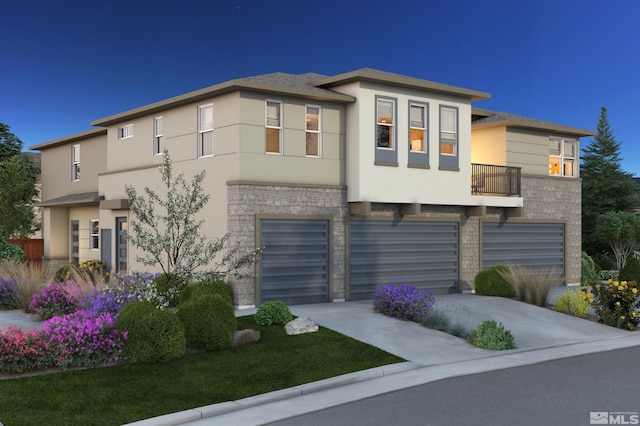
{"x": 533, "y": 245}
{"x": 424, "y": 254}
{"x": 294, "y": 263}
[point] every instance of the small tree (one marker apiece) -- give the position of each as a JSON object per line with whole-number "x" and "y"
{"x": 621, "y": 231}
{"x": 167, "y": 231}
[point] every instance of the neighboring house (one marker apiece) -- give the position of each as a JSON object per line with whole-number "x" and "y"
{"x": 347, "y": 182}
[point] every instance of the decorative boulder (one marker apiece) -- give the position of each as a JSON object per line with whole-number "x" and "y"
{"x": 241, "y": 337}
{"x": 300, "y": 326}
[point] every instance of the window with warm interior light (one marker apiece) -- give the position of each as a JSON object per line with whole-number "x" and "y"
{"x": 157, "y": 135}
{"x": 94, "y": 234}
{"x": 562, "y": 156}
{"x": 75, "y": 162}
{"x": 417, "y": 128}
{"x": 385, "y": 113}
{"x": 312, "y": 119}
{"x": 125, "y": 131}
{"x": 448, "y": 131}
{"x": 205, "y": 130}
{"x": 273, "y": 124}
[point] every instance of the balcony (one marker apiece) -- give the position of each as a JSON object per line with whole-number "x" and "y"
{"x": 488, "y": 179}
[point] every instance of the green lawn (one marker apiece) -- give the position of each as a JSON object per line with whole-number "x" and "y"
{"x": 126, "y": 393}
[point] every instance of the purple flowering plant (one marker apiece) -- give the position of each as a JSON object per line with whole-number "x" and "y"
{"x": 8, "y": 294}
{"x": 55, "y": 299}
{"x": 99, "y": 302}
{"x": 403, "y": 301}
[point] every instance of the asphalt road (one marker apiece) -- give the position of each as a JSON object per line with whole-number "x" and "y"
{"x": 605, "y": 386}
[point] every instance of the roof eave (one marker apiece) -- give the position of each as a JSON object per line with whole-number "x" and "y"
{"x": 565, "y": 130}
{"x": 68, "y": 139}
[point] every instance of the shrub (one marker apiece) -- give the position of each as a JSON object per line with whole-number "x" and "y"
{"x": 403, "y": 301}
{"x": 8, "y": 294}
{"x": 153, "y": 335}
{"x": 9, "y": 251}
{"x": 138, "y": 285}
{"x": 55, "y": 300}
{"x": 98, "y": 302}
{"x": 630, "y": 271}
{"x": 29, "y": 279}
{"x": 63, "y": 274}
{"x": 209, "y": 322}
{"x": 493, "y": 336}
{"x": 436, "y": 320}
{"x": 615, "y": 302}
{"x": 81, "y": 339}
{"x": 169, "y": 287}
{"x": 533, "y": 286}
{"x": 458, "y": 330}
{"x": 273, "y": 312}
{"x": 491, "y": 282}
{"x": 573, "y": 303}
{"x": 607, "y": 274}
{"x": 589, "y": 273}
{"x": 22, "y": 351}
{"x": 201, "y": 288}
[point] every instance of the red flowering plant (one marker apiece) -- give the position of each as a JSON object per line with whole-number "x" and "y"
{"x": 22, "y": 351}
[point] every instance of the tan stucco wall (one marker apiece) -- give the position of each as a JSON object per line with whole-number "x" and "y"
{"x": 489, "y": 146}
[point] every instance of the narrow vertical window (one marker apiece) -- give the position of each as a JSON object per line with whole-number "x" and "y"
{"x": 417, "y": 128}
{"x": 274, "y": 127}
{"x": 75, "y": 163}
{"x": 157, "y": 135}
{"x": 313, "y": 131}
{"x": 448, "y": 131}
{"x": 205, "y": 130}
{"x": 75, "y": 241}
{"x": 385, "y": 120}
{"x": 555, "y": 156}
{"x": 94, "y": 235}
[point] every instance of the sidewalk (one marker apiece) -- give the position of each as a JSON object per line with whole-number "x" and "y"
{"x": 541, "y": 335}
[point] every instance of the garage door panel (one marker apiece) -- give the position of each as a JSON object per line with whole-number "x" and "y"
{"x": 424, "y": 254}
{"x": 294, "y": 262}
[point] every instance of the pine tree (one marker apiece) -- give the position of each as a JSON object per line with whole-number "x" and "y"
{"x": 605, "y": 186}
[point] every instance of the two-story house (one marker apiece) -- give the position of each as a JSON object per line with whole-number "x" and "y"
{"x": 347, "y": 182}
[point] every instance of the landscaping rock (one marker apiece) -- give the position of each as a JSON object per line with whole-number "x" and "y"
{"x": 241, "y": 337}
{"x": 300, "y": 325}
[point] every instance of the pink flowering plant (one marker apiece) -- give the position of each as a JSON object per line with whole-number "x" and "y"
{"x": 22, "y": 351}
{"x": 82, "y": 339}
{"x": 403, "y": 301}
{"x": 55, "y": 299}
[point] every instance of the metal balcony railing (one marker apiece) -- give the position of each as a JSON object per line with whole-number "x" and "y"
{"x": 489, "y": 179}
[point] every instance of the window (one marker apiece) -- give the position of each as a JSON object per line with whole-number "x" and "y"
{"x": 274, "y": 127}
{"x": 205, "y": 130}
{"x": 385, "y": 119}
{"x": 562, "y": 156}
{"x": 417, "y": 128}
{"x": 448, "y": 131}
{"x": 75, "y": 163}
{"x": 75, "y": 241}
{"x": 313, "y": 131}
{"x": 94, "y": 235}
{"x": 157, "y": 135}
{"x": 125, "y": 131}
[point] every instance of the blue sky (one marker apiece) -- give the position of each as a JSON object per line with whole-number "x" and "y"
{"x": 66, "y": 63}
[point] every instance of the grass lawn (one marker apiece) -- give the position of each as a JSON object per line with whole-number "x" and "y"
{"x": 127, "y": 393}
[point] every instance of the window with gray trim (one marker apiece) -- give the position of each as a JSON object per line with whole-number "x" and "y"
{"x": 386, "y": 152}
{"x": 448, "y": 137}
{"x": 418, "y": 134}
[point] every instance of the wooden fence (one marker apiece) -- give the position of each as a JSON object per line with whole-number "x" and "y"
{"x": 33, "y": 248}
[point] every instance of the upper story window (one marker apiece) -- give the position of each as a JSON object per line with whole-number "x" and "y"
{"x": 157, "y": 135}
{"x": 385, "y": 119}
{"x": 205, "y": 130}
{"x": 562, "y": 156}
{"x": 312, "y": 119}
{"x": 448, "y": 131}
{"x": 125, "y": 131}
{"x": 417, "y": 127}
{"x": 273, "y": 123}
{"x": 94, "y": 235}
{"x": 75, "y": 162}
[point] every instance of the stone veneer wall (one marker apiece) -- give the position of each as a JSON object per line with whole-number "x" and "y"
{"x": 245, "y": 201}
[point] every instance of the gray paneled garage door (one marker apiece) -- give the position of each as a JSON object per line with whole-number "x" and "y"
{"x": 294, "y": 264}
{"x": 424, "y": 254}
{"x": 532, "y": 245}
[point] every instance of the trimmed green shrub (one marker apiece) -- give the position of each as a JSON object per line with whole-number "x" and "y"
{"x": 491, "y": 335}
{"x": 630, "y": 271}
{"x": 273, "y": 312}
{"x": 491, "y": 283}
{"x": 9, "y": 251}
{"x": 573, "y": 303}
{"x": 169, "y": 286}
{"x": 153, "y": 335}
{"x": 198, "y": 289}
{"x": 589, "y": 270}
{"x": 209, "y": 322}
